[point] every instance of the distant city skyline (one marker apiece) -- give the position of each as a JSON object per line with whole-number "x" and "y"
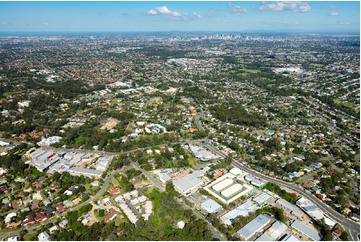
{"x": 248, "y": 16}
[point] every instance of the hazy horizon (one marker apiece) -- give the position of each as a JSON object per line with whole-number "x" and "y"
{"x": 244, "y": 16}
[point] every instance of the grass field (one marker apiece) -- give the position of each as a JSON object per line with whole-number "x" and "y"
{"x": 30, "y": 236}
{"x": 316, "y": 65}
{"x": 337, "y": 101}
{"x": 245, "y": 71}
{"x": 137, "y": 78}
{"x": 7, "y": 94}
{"x": 165, "y": 212}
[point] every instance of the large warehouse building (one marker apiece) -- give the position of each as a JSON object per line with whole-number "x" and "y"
{"x": 256, "y": 225}
{"x": 228, "y": 188}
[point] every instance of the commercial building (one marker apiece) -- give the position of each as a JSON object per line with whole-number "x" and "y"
{"x": 236, "y": 171}
{"x": 262, "y": 198}
{"x": 164, "y": 178}
{"x": 294, "y": 210}
{"x": 277, "y": 230}
{"x": 103, "y": 163}
{"x": 230, "y": 191}
{"x": 50, "y": 140}
{"x": 264, "y": 237}
{"x": 313, "y": 211}
{"x": 242, "y": 210}
{"x": 189, "y": 183}
{"x": 307, "y": 231}
{"x": 228, "y": 188}
{"x": 286, "y": 205}
{"x": 222, "y": 185}
{"x": 256, "y": 225}
{"x": 210, "y": 206}
{"x": 201, "y": 153}
{"x": 85, "y": 172}
{"x": 255, "y": 181}
{"x": 290, "y": 237}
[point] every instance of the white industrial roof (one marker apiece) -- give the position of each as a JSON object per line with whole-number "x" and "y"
{"x": 263, "y": 197}
{"x": 255, "y": 225}
{"x": 188, "y": 182}
{"x": 164, "y": 177}
{"x": 277, "y": 229}
{"x": 257, "y": 182}
{"x": 223, "y": 184}
{"x": 235, "y": 171}
{"x": 309, "y": 232}
{"x": 290, "y": 237}
{"x": 232, "y": 190}
{"x": 210, "y": 206}
{"x": 264, "y": 237}
{"x": 286, "y": 204}
{"x": 242, "y": 210}
{"x": 85, "y": 171}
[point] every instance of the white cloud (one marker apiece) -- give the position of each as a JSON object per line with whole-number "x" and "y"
{"x": 164, "y": 10}
{"x": 236, "y": 10}
{"x": 197, "y": 15}
{"x": 334, "y": 14}
{"x": 294, "y": 6}
{"x": 45, "y": 24}
{"x": 152, "y": 12}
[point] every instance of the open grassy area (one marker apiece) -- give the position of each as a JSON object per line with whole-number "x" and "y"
{"x": 316, "y": 65}
{"x": 119, "y": 221}
{"x": 30, "y": 236}
{"x": 244, "y": 71}
{"x": 8, "y": 94}
{"x": 165, "y": 211}
{"x": 115, "y": 181}
{"x": 193, "y": 161}
{"x": 338, "y": 101}
{"x": 137, "y": 78}
{"x": 114, "y": 101}
{"x": 253, "y": 71}
{"x": 349, "y": 104}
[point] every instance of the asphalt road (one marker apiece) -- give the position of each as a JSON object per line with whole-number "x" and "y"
{"x": 152, "y": 181}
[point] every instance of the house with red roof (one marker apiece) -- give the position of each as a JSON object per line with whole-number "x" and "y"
{"x": 336, "y": 232}
{"x": 28, "y": 220}
{"x": 76, "y": 200}
{"x": 34, "y": 206}
{"x": 40, "y": 217}
{"x": 54, "y": 186}
{"x": 111, "y": 215}
{"x": 114, "y": 190}
{"x": 39, "y": 185}
{"x": 60, "y": 208}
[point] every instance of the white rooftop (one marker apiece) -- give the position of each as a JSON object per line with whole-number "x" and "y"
{"x": 308, "y": 231}
{"x": 210, "y": 206}
{"x": 255, "y": 225}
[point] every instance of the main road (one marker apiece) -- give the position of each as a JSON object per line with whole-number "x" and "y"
{"x": 351, "y": 226}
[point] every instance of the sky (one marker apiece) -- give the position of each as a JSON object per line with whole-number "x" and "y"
{"x": 270, "y": 16}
